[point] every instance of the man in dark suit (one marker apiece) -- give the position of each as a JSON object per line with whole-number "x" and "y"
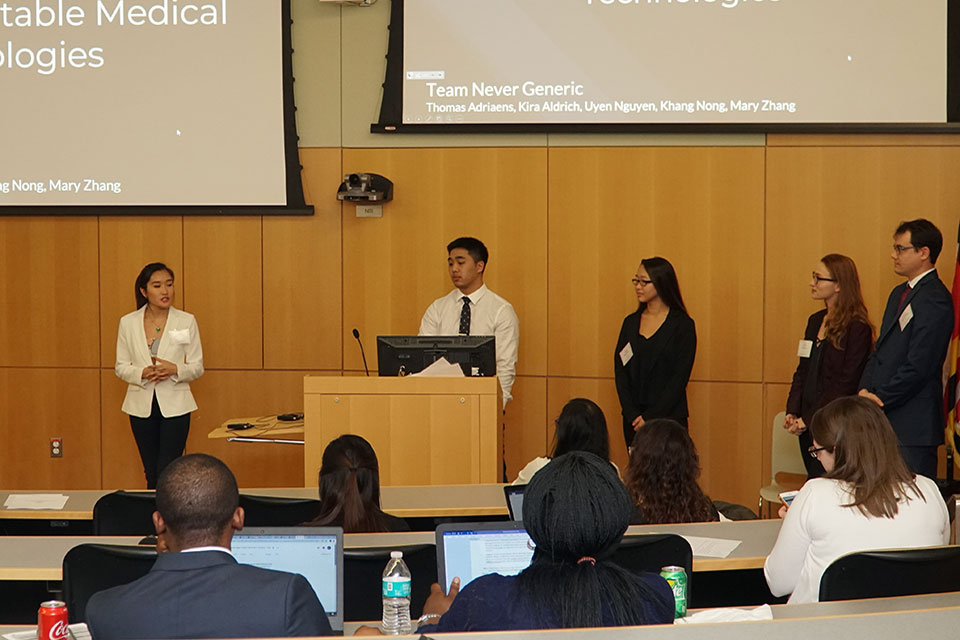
{"x": 904, "y": 373}
{"x": 197, "y": 589}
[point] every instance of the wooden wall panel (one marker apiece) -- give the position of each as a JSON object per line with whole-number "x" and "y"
{"x": 302, "y": 275}
{"x": 127, "y": 244}
{"x": 120, "y": 460}
{"x": 528, "y": 428}
{"x": 727, "y": 425}
{"x": 48, "y": 292}
{"x": 846, "y": 200}
{"x": 395, "y": 266}
{"x": 223, "y": 288}
{"x": 701, "y": 208}
{"x": 37, "y": 404}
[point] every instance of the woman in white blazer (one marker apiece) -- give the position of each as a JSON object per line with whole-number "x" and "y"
{"x": 158, "y": 354}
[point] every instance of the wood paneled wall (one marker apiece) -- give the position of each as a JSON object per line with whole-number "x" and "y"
{"x": 278, "y": 297}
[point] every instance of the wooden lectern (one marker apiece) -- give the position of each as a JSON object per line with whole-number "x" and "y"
{"x": 426, "y": 431}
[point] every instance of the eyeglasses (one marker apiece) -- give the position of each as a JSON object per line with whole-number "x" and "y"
{"x": 819, "y": 278}
{"x": 898, "y": 249}
{"x": 640, "y": 282}
{"x": 813, "y": 451}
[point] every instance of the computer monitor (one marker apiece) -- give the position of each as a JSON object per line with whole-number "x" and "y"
{"x": 470, "y": 550}
{"x": 514, "y": 495}
{"x": 403, "y": 355}
{"x": 316, "y": 553}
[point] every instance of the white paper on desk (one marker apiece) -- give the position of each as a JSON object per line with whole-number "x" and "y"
{"x": 711, "y": 547}
{"x": 729, "y": 614}
{"x": 54, "y": 501}
{"x": 78, "y": 631}
{"x": 441, "y": 369}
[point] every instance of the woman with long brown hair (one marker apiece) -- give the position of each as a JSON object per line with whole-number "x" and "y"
{"x": 868, "y": 499}
{"x": 662, "y": 476}
{"x": 350, "y": 489}
{"x": 834, "y": 349}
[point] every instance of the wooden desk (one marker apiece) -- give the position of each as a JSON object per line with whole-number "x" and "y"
{"x": 436, "y": 501}
{"x": 265, "y": 427}
{"x": 41, "y": 557}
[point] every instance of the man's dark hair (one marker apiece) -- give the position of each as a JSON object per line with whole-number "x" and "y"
{"x": 197, "y": 496}
{"x": 476, "y": 249}
{"x": 923, "y": 233}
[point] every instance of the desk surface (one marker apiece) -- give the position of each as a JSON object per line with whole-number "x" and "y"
{"x": 41, "y": 557}
{"x": 436, "y": 501}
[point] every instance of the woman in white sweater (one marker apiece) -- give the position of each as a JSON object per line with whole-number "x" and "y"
{"x": 868, "y": 499}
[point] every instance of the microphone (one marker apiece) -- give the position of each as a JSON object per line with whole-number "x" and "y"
{"x": 356, "y": 334}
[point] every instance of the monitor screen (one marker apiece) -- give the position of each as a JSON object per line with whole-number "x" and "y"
{"x": 403, "y": 355}
{"x": 471, "y": 550}
{"x": 316, "y": 553}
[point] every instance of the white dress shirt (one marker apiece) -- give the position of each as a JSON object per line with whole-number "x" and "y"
{"x": 818, "y": 529}
{"x": 490, "y": 315}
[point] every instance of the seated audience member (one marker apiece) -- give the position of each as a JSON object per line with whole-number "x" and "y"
{"x": 868, "y": 499}
{"x": 350, "y": 489}
{"x": 662, "y": 476}
{"x": 579, "y": 427}
{"x": 197, "y": 589}
{"x": 576, "y": 510}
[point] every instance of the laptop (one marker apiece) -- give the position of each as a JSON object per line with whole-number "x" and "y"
{"x": 514, "y": 496}
{"x": 316, "y": 553}
{"x": 470, "y": 550}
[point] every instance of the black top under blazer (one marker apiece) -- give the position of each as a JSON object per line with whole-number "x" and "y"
{"x": 663, "y": 391}
{"x": 839, "y": 369}
{"x": 905, "y": 368}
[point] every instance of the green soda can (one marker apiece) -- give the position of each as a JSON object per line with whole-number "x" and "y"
{"x": 676, "y": 577}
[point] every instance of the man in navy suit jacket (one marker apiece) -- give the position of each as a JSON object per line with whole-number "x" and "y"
{"x": 904, "y": 373}
{"x": 197, "y": 589}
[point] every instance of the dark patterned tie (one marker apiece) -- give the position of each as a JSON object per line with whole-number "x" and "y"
{"x": 903, "y": 297}
{"x": 465, "y": 317}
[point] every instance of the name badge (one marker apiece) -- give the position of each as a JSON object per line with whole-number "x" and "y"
{"x": 906, "y": 317}
{"x": 804, "y": 348}
{"x": 625, "y": 354}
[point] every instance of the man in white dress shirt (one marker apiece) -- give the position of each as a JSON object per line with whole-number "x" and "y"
{"x": 472, "y": 309}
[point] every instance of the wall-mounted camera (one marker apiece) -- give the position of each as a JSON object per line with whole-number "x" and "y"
{"x": 365, "y": 187}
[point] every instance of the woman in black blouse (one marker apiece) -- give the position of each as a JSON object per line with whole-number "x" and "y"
{"x": 655, "y": 350}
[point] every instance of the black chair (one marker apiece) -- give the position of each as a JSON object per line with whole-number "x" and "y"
{"x": 363, "y": 571}
{"x": 269, "y": 511}
{"x": 89, "y": 568}
{"x": 653, "y": 551}
{"x": 893, "y": 572}
{"x": 125, "y": 513}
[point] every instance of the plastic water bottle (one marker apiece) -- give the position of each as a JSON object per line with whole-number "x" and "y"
{"x": 396, "y": 596}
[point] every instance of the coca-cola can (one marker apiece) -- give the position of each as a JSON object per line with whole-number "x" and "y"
{"x": 52, "y": 620}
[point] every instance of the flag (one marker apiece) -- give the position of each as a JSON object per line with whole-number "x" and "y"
{"x": 951, "y": 393}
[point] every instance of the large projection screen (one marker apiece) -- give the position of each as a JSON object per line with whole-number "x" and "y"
{"x": 677, "y": 62}
{"x": 140, "y": 105}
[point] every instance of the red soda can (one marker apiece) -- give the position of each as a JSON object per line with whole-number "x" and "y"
{"x": 52, "y": 620}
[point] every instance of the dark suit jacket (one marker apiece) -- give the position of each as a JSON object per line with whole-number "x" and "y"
{"x": 905, "y": 369}
{"x": 840, "y": 369}
{"x": 207, "y": 594}
{"x": 665, "y": 390}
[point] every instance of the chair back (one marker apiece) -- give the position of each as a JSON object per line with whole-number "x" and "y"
{"x": 653, "y": 551}
{"x": 89, "y": 568}
{"x": 363, "y": 571}
{"x": 892, "y": 572}
{"x": 785, "y": 454}
{"x": 269, "y": 511}
{"x": 125, "y": 513}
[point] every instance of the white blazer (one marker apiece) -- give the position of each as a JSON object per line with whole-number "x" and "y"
{"x": 179, "y": 344}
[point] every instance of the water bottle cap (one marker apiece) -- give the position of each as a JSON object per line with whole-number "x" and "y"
{"x": 396, "y": 554}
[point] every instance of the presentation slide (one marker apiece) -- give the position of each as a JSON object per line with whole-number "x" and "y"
{"x": 674, "y": 61}
{"x": 162, "y": 102}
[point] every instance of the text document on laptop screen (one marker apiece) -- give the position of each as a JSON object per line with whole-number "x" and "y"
{"x": 674, "y": 61}
{"x": 142, "y": 103}
{"x": 471, "y": 554}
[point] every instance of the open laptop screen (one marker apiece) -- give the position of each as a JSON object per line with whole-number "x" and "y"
{"x": 316, "y": 553}
{"x": 471, "y": 550}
